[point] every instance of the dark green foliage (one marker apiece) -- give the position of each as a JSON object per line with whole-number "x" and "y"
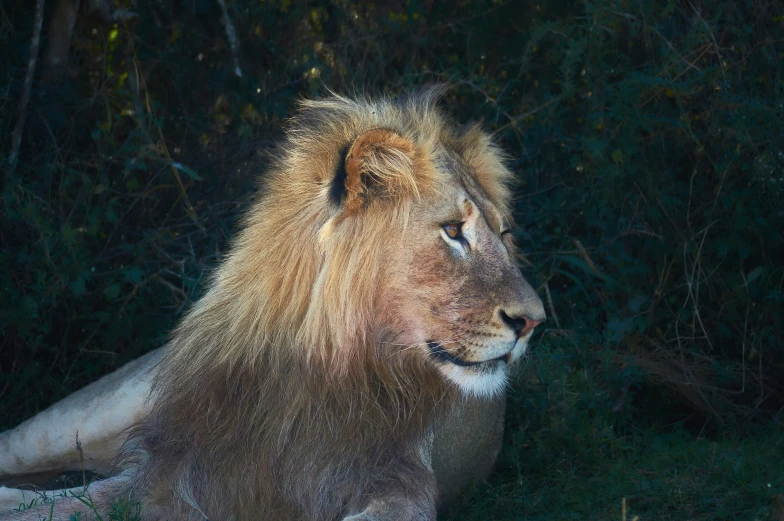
{"x": 647, "y": 142}
{"x": 566, "y": 459}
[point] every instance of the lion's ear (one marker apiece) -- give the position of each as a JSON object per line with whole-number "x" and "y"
{"x": 380, "y": 163}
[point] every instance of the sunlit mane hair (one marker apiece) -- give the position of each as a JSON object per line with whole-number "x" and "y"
{"x": 282, "y": 354}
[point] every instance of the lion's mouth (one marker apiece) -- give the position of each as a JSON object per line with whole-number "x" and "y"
{"x": 442, "y": 355}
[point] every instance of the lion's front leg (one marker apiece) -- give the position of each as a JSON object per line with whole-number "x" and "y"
{"x": 99, "y": 413}
{"x": 417, "y": 503}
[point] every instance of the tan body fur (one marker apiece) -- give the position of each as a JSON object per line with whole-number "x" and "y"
{"x": 350, "y": 356}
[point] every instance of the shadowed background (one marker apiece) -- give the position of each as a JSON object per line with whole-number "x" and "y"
{"x": 647, "y": 141}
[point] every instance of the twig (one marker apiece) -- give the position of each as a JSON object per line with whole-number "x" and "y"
{"x": 586, "y": 257}
{"x": 672, "y": 47}
{"x": 694, "y": 288}
{"x": 637, "y": 232}
{"x": 518, "y": 118}
{"x": 138, "y": 82}
{"x": 231, "y": 36}
{"x": 513, "y": 120}
{"x": 172, "y": 287}
{"x": 743, "y": 354}
{"x": 16, "y": 135}
{"x": 660, "y": 35}
{"x": 715, "y": 43}
{"x": 745, "y": 327}
{"x": 550, "y": 304}
{"x": 81, "y": 458}
{"x": 761, "y": 381}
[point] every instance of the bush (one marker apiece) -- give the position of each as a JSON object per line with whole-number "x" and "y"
{"x": 646, "y": 139}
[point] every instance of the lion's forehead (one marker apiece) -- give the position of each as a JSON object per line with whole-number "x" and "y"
{"x": 459, "y": 175}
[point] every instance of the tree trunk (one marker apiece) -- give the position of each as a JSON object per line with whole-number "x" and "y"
{"x": 59, "y": 37}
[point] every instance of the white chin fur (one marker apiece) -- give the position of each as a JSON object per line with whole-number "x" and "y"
{"x": 480, "y": 382}
{"x": 484, "y": 381}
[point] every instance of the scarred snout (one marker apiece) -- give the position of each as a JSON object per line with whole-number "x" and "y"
{"x": 520, "y": 324}
{"x": 521, "y": 309}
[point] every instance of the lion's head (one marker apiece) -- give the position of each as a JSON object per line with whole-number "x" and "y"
{"x": 418, "y": 245}
{"x": 430, "y": 211}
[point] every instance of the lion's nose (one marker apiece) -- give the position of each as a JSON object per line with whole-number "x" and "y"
{"x": 522, "y": 325}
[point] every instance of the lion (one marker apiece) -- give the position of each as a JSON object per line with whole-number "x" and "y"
{"x": 350, "y": 356}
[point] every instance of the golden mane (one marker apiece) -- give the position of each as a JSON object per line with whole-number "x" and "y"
{"x": 284, "y": 338}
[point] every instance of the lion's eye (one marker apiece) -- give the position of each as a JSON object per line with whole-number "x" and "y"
{"x": 505, "y": 232}
{"x": 454, "y": 230}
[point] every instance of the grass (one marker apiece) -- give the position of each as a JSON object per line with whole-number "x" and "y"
{"x": 118, "y": 511}
{"x": 661, "y": 476}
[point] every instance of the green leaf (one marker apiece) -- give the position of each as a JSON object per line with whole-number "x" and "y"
{"x": 186, "y": 170}
{"x": 635, "y": 303}
{"x": 68, "y": 235}
{"x": 595, "y": 147}
{"x": 756, "y": 273}
{"x": 133, "y": 274}
{"x": 78, "y": 287}
{"x": 617, "y": 327}
{"x": 112, "y": 292}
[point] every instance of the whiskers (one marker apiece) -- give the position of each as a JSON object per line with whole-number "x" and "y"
{"x": 455, "y": 343}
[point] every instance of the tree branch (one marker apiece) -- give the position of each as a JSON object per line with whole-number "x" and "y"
{"x": 16, "y": 135}
{"x": 231, "y": 36}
